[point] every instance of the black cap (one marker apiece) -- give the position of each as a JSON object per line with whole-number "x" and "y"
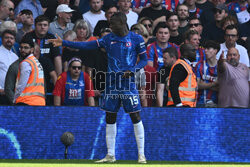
{"x": 221, "y": 7}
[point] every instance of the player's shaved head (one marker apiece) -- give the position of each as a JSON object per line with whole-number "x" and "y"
{"x": 188, "y": 51}
{"x": 118, "y": 24}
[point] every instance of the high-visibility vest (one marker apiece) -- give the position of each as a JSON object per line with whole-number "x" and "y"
{"x": 34, "y": 92}
{"x": 187, "y": 88}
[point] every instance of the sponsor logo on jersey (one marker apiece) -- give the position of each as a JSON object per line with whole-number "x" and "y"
{"x": 128, "y": 44}
{"x": 113, "y": 42}
{"x": 160, "y": 59}
{"x": 81, "y": 83}
{"x": 69, "y": 83}
{"x": 45, "y": 50}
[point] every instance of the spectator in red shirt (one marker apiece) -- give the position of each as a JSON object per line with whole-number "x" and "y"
{"x": 74, "y": 87}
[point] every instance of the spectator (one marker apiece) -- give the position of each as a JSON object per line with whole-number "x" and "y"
{"x": 154, "y": 50}
{"x": 74, "y": 88}
{"x": 50, "y": 75}
{"x": 233, "y": 80}
{"x": 40, "y": 35}
{"x": 148, "y": 23}
{"x": 215, "y": 31}
{"x": 206, "y": 72}
{"x": 33, "y": 5}
{"x": 195, "y": 24}
{"x": 170, "y": 56}
{"x": 229, "y": 20}
{"x": 10, "y": 25}
{"x": 193, "y": 10}
{"x": 173, "y": 24}
{"x": 232, "y": 20}
{"x": 94, "y": 14}
{"x": 110, "y": 10}
{"x": 27, "y": 21}
{"x": 83, "y": 33}
{"x": 124, "y": 6}
{"x": 183, "y": 15}
{"x": 30, "y": 88}
{"x": 182, "y": 80}
{"x": 192, "y": 37}
{"x": 140, "y": 29}
{"x": 154, "y": 11}
{"x": 207, "y": 15}
{"x": 51, "y": 10}
{"x": 10, "y": 79}
{"x": 231, "y": 36}
{"x": 63, "y": 21}
{"x": 7, "y": 57}
{"x": 240, "y": 8}
{"x": 6, "y": 9}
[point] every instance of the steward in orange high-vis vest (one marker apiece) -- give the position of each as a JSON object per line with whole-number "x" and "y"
{"x": 34, "y": 92}
{"x": 187, "y": 88}
{"x": 182, "y": 81}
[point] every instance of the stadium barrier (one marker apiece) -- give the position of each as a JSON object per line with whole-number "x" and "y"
{"x": 171, "y": 134}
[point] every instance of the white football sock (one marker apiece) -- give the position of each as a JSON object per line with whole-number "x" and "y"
{"x": 139, "y": 136}
{"x": 110, "y": 138}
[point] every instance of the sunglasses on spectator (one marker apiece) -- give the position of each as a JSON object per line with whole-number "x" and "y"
{"x": 76, "y": 67}
{"x": 194, "y": 25}
{"x": 217, "y": 11}
{"x": 148, "y": 25}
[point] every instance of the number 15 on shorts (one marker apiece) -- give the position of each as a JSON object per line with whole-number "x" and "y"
{"x": 134, "y": 100}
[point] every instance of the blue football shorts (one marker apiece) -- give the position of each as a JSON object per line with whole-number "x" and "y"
{"x": 113, "y": 100}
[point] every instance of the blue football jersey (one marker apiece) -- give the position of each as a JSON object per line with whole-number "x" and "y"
{"x": 122, "y": 55}
{"x": 122, "y": 51}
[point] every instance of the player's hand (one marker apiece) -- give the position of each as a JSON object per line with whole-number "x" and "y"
{"x": 127, "y": 74}
{"x": 56, "y": 42}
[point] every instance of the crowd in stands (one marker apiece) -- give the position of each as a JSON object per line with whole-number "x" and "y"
{"x": 217, "y": 30}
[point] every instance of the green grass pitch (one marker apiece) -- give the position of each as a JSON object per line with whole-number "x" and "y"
{"x": 119, "y": 163}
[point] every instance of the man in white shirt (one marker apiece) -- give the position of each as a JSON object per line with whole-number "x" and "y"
{"x": 124, "y": 7}
{"x": 7, "y": 57}
{"x": 94, "y": 14}
{"x": 231, "y": 36}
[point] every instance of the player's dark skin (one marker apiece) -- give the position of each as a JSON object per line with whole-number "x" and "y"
{"x": 118, "y": 24}
{"x": 120, "y": 28}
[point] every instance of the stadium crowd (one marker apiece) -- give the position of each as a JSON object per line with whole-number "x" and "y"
{"x": 197, "y": 51}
